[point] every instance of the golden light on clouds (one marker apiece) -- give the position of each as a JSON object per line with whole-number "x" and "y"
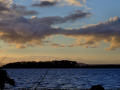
{"x": 26, "y": 28}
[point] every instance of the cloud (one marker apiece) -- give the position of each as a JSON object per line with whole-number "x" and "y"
{"x": 23, "y": 32}
{"x": 76, "y": 15}
{"x": 2, "y": 7}
{"x": 14, "y": 11}
{"x": 93, "y": 35}
{"x": 79, "y": 3}
{"x": 5, "y": 4}
{"x": 17, "y": 30}
{"x": 22, "y": 10}
{"x": 44, "y": 4}
{"x": 57, "y": 45}
{"x": 8, "y": 8}
{"x": 76, "y": 2}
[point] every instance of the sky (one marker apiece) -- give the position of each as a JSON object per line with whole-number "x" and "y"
{"x": 86, "y": 31}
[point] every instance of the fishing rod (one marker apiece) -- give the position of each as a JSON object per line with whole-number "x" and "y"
{"x": 42, "y": 77}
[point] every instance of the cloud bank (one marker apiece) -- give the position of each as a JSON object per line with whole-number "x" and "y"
{"x": 93, "y": 35}
{"x": 22, "y": 32}
{"x": 17, "y": 30}
{"x": 44, "y": 3}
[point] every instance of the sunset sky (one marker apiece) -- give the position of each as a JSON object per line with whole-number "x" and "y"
{"x": 87, "y": 31}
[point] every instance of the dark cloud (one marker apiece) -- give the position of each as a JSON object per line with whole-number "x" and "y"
{"x": 22, "y": 31}
{"x": 8, "y": 11}
{"x": 76, "y": 15}
{"x": 44, "y": 4}
{"x": 80, "y": 3}
{"x": 2, "y": 7}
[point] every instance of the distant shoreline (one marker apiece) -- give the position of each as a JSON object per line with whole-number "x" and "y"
{"x": 62, "y": 64}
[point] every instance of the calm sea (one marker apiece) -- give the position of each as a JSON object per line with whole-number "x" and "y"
{"x": 64, "y": 78}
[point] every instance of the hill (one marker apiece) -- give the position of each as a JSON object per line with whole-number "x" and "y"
{"x": 58, "y": 64}
{"x": 46, "y": 64}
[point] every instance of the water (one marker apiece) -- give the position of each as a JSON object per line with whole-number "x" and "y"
{"x": 64, "y": 78}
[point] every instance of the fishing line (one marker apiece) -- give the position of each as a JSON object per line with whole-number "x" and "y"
{"x": 40, "y": 80}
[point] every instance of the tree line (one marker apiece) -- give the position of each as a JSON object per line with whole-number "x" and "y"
{"x": 57, "y": 64}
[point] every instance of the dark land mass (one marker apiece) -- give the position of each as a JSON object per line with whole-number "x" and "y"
{"x": 58, "y": 64}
